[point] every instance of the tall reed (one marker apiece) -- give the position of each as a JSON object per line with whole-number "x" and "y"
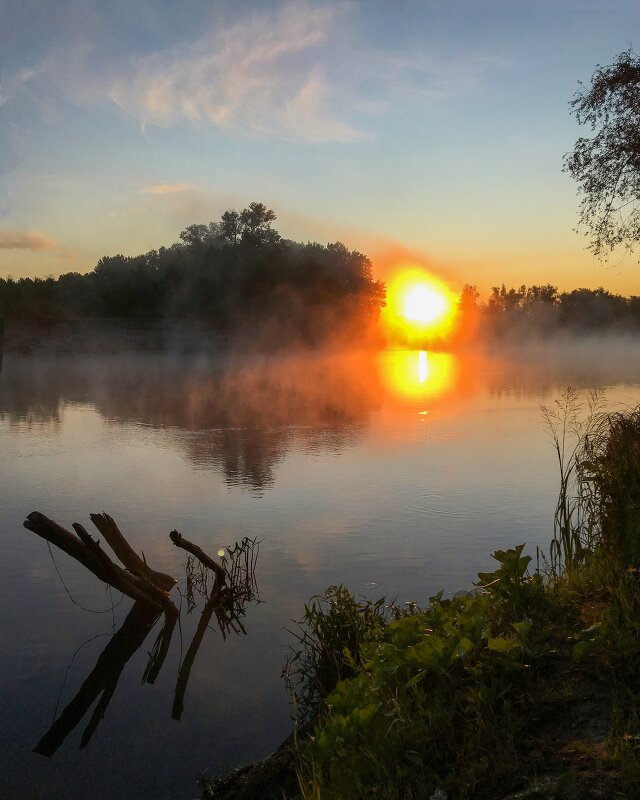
{"x": 573, "y": 423}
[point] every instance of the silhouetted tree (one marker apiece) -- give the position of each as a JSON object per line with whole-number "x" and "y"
{"x": 230, "y": 227}
{"x": 468, "y": 300}
{"x": 607, "y": 165}
{"x": 227, "y": 273}
{"x": 256, "y": 225}
{"x": 201, "y": 235}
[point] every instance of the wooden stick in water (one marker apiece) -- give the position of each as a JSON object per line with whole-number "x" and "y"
{"x": 179, "y": 541}
{"x": 127, "y": 555}
{"x": 89, "y": 553}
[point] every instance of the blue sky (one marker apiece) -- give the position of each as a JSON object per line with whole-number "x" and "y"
{"x": 433, "y": 130}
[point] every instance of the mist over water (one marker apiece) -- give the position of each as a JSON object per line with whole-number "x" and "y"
{"x": 394, "y": 472}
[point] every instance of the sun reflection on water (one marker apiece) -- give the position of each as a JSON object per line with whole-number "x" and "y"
{"x": 423, "y": 367}
{"x": 411, "y": 375}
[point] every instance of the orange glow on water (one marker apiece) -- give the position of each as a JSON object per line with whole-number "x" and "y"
{"x": 416, "y": 375}
{"x": 420, "y": 308}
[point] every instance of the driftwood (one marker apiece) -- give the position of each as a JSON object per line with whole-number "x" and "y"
{"x": 127, "y": 555}
{"x": 89, "y": 553}
{"x": 150, "y": 590}
{"x": 179, "y": 541}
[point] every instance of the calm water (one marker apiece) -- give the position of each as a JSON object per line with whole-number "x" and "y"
{"x": 396, "y": 474}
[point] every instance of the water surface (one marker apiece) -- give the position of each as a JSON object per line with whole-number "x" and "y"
{"x": 395, "y": 473}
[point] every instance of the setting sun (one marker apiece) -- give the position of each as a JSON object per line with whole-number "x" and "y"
{"x": 424, "y": 305}
{"x": 420, "y": 307}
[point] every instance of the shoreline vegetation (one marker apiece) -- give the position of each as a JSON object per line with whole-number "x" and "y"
{"x": 524, "y": 689}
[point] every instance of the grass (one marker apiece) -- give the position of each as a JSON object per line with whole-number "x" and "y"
{"x": 528, "y": 688}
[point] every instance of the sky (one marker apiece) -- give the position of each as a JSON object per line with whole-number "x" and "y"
{"x": 431, "y": 131}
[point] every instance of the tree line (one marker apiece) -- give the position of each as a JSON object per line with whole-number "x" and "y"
{"x": 544, "y": 309}
{"x": 229, "y": 273}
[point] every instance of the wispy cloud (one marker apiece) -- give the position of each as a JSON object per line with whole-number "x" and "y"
{"x": 25, "y": 240}
{"x": 11, "y": 84}
{"x": 262, "y": 76}
{"x": 298, "y": 71}
{"x": 167, "y": 188}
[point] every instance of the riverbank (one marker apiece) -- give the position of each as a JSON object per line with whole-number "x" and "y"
{"x": 527, "y": 688}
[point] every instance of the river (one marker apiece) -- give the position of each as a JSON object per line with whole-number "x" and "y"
{"x": 395, "y": 473}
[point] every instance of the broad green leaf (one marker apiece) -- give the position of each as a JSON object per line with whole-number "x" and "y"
{"x": 502, "y": 645}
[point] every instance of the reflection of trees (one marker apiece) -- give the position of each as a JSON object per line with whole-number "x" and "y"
{"x": 250, "y": 456}
{"x": 240, "y": 416}
{"x": 29, "y": 393}
{"x": 536, "y": 369}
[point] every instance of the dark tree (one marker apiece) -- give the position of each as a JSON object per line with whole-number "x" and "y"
{"x": 230, "y": 227}
{"x": 607, "y": 165}
{"x": 256, "y": 225}
{"x": 201, "y": 235}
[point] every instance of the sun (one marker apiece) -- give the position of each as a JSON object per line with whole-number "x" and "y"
{"x": 424, "y": 305}
{"x": 420, "y": 307}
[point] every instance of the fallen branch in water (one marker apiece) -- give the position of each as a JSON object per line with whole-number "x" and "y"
{"x": 127, "y": 555}
{"x": 179, "y": 541}
{"x": 88, "y": 552}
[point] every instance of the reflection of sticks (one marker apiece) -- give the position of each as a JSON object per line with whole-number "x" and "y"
{"x": 185, "y": 667}
{"x": 161, "y": 645}
{"x": 227, "y": 601}
{"x": 102, "y": 681}
{"x": 89, "y": 553}
{"x": 179, "y": 541}
{"x": 234, "y": 586}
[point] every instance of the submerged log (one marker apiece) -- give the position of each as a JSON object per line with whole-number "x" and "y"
{"x": 179, "y": 541}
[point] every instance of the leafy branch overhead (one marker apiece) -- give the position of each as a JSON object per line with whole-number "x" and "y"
{"x": 606, "y": 165}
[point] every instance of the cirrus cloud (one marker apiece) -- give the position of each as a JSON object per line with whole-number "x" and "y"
{"x": 295, "y": 71}
{"x": 262, "y": 76}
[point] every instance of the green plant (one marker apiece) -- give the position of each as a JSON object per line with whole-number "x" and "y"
{"x": 429, "y": 706}
{"x": 511, "y": 583}
{"x": 572, "y": 423}
{"x": 329, "y": 640}
{"x": 610, "y": 467}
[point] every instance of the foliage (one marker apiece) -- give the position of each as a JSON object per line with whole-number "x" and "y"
{"x": 419, "y": 698}
{"x": 511, "y": 583}
{"x": 228, "y": 273}
{"x": 543, "y": 311}
{"x": 610, "y": 467}
{"x": 329, "y": 638}
{"x": 443, "y": 699}
{"x": 607, "y": 165}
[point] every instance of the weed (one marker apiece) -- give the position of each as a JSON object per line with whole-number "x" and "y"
{"x": 572, "y": 424}
{"x": 329, "y": 640}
